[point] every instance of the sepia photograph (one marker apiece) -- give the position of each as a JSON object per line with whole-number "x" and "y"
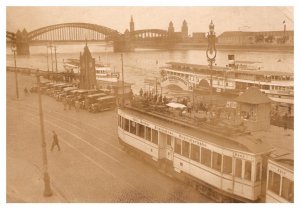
{"x": 149, "y": 104}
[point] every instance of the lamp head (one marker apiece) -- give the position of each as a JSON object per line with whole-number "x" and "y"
{"x": 211, "y": 27}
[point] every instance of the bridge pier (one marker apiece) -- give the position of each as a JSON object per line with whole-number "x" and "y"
{"x": 22, "y": 43}
{"x": 123, "y": 43}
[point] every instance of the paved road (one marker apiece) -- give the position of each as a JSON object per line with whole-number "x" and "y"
{"x": 91, "y": 167}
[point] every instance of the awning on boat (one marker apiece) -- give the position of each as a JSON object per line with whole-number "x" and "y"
{"x": 282, "y": 100}
{"x": 176, "y": 105}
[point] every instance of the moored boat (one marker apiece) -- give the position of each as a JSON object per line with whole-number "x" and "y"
{"x": 234, "y": 78}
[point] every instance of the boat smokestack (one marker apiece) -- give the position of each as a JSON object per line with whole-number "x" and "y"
{"x": 231, "y": 60}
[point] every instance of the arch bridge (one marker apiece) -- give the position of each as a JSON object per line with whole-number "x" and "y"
{"x": 150, "y": 34}
{"x": 65, "y": 32}
{"x": 73, "y": 32}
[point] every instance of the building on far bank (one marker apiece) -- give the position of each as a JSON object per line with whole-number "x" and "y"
{"x": 256, "y": 38}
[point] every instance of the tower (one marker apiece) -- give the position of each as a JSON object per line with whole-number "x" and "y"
{"x": 171, "y": 28}
{"x": 184, "y": 29}
{"x": 87, "y": 70}
{"x": 131, "y": 25}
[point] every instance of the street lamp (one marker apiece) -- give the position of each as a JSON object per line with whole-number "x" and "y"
{"x": 47, "y": 187}
{"x": 14, "y": 49}
{"x": 211, "y": 52}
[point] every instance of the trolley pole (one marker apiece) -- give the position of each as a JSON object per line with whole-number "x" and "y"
{"x": 47, "y": 187}
{"x": 211, "y": 53}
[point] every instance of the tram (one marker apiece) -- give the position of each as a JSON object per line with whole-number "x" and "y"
{"x": 227, "y": 168}
{"x": 280, "y": 179}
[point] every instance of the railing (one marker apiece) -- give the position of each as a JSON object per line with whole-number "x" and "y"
{"x": 209, "y": 121}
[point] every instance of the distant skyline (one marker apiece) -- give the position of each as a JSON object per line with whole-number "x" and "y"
{"x": 118, "y": 18}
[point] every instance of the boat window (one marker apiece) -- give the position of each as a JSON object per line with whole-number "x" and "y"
{"x": 247, "y": 174}
{"x": 274, "y": 182}
{"x": 140, "y": 130}
{"x": 126, "y": 124}
{"x": 227, "y": 164}
{"x": 195, "y": 153}
{"x": 217, "y": 161}
{"x": 206, "y": 157}
{"x": 238, "y": 167}
{"x": 257, "y": 178}
{"x": 148, "y": 133}
{"x": 177, "y": 146}
{"x": 154, "y": 136}
{"x": 185, "y": 149}
{"x": 287, "y": 190}
{"x": 132, "y": 127}
{"x": 169, "y": 140}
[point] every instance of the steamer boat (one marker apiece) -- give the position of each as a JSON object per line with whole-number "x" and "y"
{"x": 235, "y": 78}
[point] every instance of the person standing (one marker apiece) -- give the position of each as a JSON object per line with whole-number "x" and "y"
{"x": 55, "y": 141}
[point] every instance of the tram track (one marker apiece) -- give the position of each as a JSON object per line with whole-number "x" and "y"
{"x": 57, "y": 125}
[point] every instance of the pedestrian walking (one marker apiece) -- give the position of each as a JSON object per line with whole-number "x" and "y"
{"x": 26, "y": 91}
{"x": 69, "y": 103}
{"x": 77, "y": 106}
{"x": 65, "y": 104}
{"x": 55, "y": 141}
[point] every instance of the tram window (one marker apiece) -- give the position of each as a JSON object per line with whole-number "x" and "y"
{"x": 120, "y": 121}
{"x": 169, "y": 140}
{"x": 185, "y": 149}
{"x": 177, "y": 146}
{"x": 247, "y": 174}
{"x": 126, "y": 124}
{"x": 148, "y": 133}
{"x": 195, "y": 153}
{"x": 257, "y": 178}
{"x": 206, "y": 157}
{"x": 227, "y": 164}
{"x": 154, "y": 136}
{"x": 217, "y": 161}
{"x": 238, "y": 167}
{"x": 132, "y": 127}
{"x": 274, "y": 182}
{"x": 140, "y": 130}
{"x": 287, "y": 190}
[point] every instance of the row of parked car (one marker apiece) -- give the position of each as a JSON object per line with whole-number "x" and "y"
{"x": 93, "y": 100}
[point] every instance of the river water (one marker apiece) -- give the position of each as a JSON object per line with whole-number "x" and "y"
{"x": 145, "y": 63}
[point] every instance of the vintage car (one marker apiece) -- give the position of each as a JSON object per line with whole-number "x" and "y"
{"x": 103, "y": 103}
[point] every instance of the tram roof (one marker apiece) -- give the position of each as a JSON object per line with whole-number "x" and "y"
{"x": 219, "y": 68}
{"x": 285, "y": 159}
{"x": 244, "y": 142}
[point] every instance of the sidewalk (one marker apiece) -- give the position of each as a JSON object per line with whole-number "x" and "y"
{"x": 27, "y": 185}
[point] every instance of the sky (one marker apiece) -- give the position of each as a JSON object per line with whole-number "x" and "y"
{"x": 198, "y": 18}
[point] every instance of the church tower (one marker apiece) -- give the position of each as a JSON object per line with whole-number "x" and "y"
{"x": 131, "y": 25}
{"x": 184, "y": 30}
{"x": 87, "y": 70}
{"x": 171, "y": 28}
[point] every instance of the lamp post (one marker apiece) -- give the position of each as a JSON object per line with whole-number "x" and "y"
{"x": 211, "y": 53}
{"x": 122, "y": 81}
{"x": 47, "y": 187}
{"x": 55, "y": 59}
{"x": 14, "y": 48}
{"x": 51, "y": 46}
{"x": 47, "y": 61}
